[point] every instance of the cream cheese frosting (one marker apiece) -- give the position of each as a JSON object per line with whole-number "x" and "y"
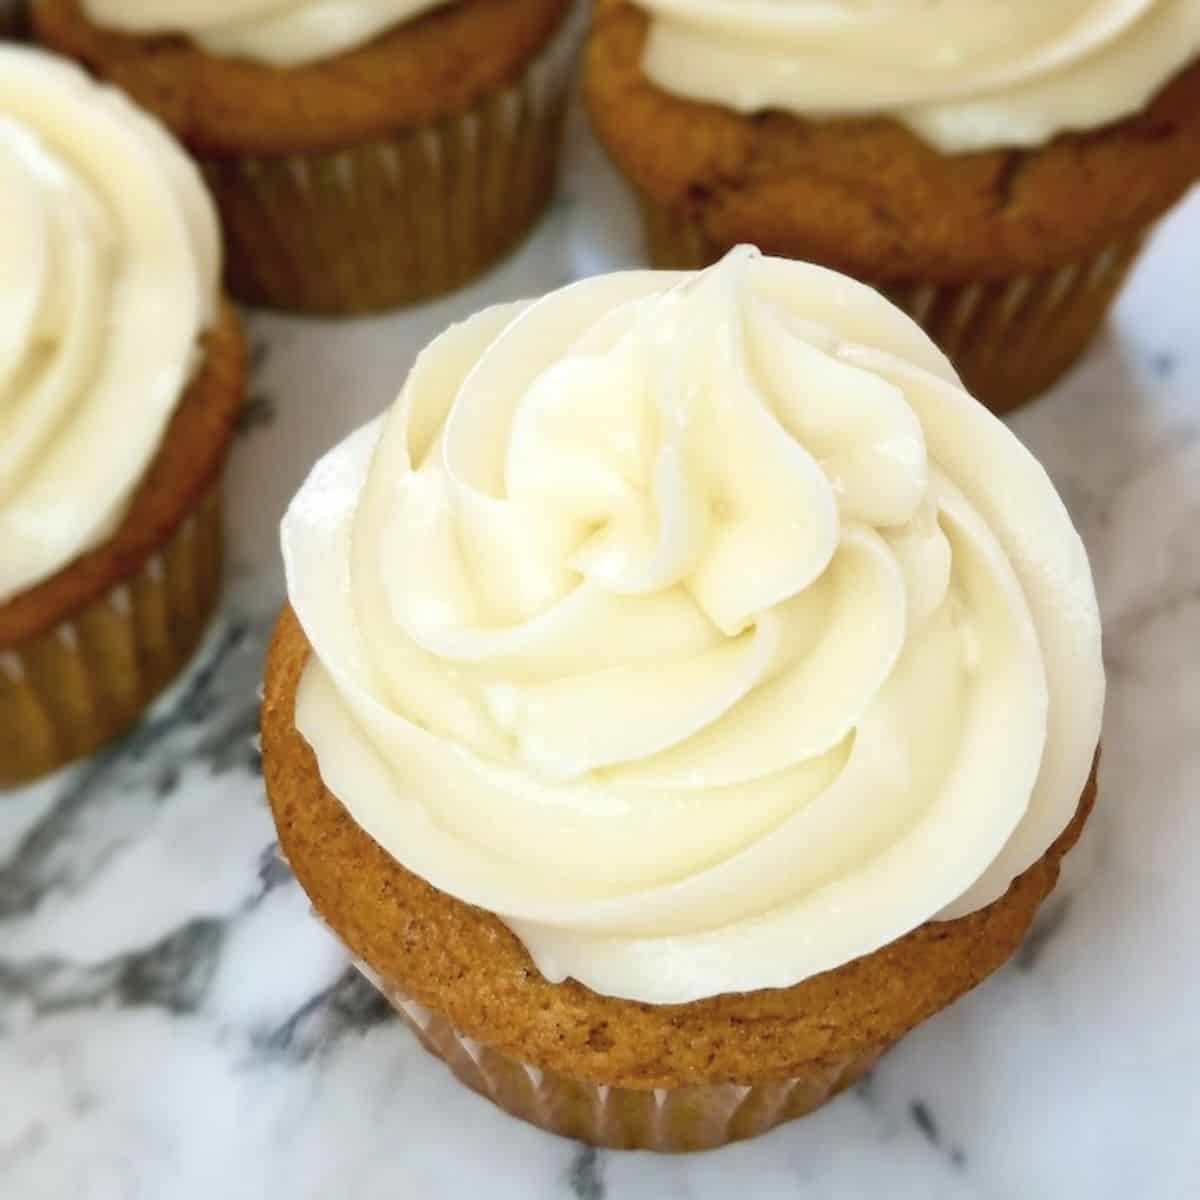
{"x": 701, "y": 626}
{"x": 109, "y": 262}
{"x": 962, "y": 74}
{"x": 279, "y": 33}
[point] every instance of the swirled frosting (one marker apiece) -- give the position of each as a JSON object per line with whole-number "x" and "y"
{"x": 963, "y": 74}
{"x": 280, "y": 33}
{"x": 700, "y": 626}
{"x": 109, "y": 259}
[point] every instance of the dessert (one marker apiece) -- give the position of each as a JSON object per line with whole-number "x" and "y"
{"x": 994, "y": 170}
{"x": 685, "y": 689}
{"x": 121, "y": 375}
{"x": 361, "y": 158}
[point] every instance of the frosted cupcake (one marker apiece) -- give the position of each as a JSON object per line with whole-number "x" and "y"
{"x": 363, "y": 153}
{"x": 121, "y": 375}
{"x": 994, "y": 168}
{"x": 686, "y": 689}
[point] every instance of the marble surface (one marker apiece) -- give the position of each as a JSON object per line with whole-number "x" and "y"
{"x": 175, "y": 1026}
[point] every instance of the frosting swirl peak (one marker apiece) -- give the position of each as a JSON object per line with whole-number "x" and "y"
{"x": 702, "y": 627}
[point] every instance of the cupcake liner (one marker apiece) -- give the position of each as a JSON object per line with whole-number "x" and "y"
{"x": 67, "y": 692}
{"x": 665, "y": 1120}
{"x": 386, "y": 223}
{"x": 1013, "y": 339}
{"x": 1010, "y": 339}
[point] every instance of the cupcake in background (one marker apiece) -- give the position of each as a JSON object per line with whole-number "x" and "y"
{"x": 686, "y": 689}
{"x": 364, "y": 154}
{"x": 993, "y": 168}
{"x": 121, "y": 376}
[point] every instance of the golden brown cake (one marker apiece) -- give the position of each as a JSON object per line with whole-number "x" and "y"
{"x": 385, "y": 174}
{"x": 124, "y": 372}
{"x": 735, "y": 1066}
{"x": 686, "y": 688}
{"x": 86, "y": 651}
{"x": 1010, "y": 258}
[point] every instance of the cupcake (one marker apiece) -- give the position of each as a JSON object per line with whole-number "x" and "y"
{"x": 121, "y": 375}
{"x": 994, "y": 169}
{"x": 362, "y": 158}
{"x": 685, "y": 690}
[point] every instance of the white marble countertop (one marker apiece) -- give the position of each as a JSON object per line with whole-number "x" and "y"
{"x": 175, "y": 1026}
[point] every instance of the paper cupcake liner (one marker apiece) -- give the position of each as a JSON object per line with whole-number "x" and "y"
{"x": 392, "y": 222}
{"x": 1010, "y": 339}
{"x": 665, "y": 1120}
{"x": 66, "y": 693}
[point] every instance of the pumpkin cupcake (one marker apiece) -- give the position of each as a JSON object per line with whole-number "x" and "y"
{"x": 685, "y": 690}
{"x": 361, "y": 159}
{"x": 121, "y": 375}
{"x": 994, "y": 169}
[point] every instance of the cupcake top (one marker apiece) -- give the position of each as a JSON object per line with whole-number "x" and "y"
{"x": 962, "y": 74}
{"x": 109, "y": 256}
{"x": 281, "y": 33}
{"x": 702, "y": 627}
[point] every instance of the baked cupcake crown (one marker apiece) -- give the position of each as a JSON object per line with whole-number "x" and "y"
{"x": 962, "y": 75}
{"x": 111, "y": 263}
{"x": 690, "y": 624}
